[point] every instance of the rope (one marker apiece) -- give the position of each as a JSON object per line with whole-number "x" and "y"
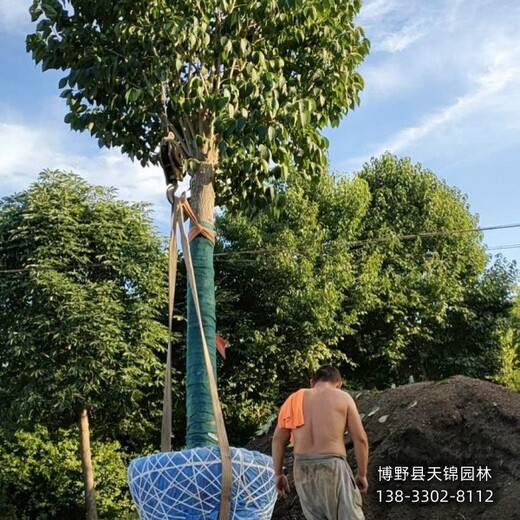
{"x": 197, "y": 229}
{"x": 179, "y": 206}
{"x": 187, "y": 484}
{"x": 166, "y": 430}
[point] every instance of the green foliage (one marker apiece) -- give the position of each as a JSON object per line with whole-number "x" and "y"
{"x": 40, "y": 477}
{"x": 284, "y": 309}
{"x": 331, "y": 278}
{"x": 509, "y": 374}
{"x": 78, "y": 319}
{"x": 474, "y": 342}
{"x": 250, "y": 81}
{"x": 420, "y": 281}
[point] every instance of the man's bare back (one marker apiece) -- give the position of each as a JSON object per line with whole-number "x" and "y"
{"x": 318, "y": 434}
{"x": 326, "y": 413}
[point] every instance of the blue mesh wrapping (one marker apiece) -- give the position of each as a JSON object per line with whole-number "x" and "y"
{"x": 185, "y": 485}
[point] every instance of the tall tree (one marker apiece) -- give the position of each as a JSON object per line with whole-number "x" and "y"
{"x": 382, "y": 272}
{"x": 81, "y": 289}
{"x": 235, "y": 91}
{"x": 284, "y": 285}
{"x": 422, "y": 233}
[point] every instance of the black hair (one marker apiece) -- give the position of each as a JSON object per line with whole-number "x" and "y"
{"x": 327, "y": 373}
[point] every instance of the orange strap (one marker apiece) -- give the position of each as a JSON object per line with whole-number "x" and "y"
{"x": 196, "y": 229}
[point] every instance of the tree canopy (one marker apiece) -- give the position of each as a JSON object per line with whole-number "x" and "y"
{"x": 382, "y": 272}
{"x": 81, "y": 295}
{"x": 251, "y": 83}
{"x": 420, "y": 280}
{"x": 283, "y": 304}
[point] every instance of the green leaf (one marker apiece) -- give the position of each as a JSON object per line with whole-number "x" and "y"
{"x": 132, "y": 95}
{"x": 35, "y": 12}
{"x": 244, "y": 46}
{"x": 264, "y": 152}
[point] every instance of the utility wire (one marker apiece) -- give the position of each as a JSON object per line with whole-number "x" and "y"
{"x": 351, "y": 245}
{"x": 432, "y": 234}
{"x": 361, "y": 243}
{"x": 499, "y": 248}
{"x": 221, "y": 259}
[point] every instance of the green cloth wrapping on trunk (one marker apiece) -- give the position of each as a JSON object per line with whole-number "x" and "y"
{"x": 200, "y": 417}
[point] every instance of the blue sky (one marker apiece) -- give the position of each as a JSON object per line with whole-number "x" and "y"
{"x": 442, "y": 87}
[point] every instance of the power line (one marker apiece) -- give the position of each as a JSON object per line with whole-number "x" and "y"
{"x": 351, "y": 245}
{"x": 432, "y": 234}
{"x": 369, "y": 241}
{"x": 499, "y": 248}
{"x": 240, "y": 260}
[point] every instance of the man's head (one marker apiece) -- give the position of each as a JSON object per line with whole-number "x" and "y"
{"x": 327, "y": 374}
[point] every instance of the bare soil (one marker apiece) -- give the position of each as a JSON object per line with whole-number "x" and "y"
{"x": 459, "y": 422}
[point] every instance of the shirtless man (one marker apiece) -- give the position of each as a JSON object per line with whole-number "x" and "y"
{"x": 316, "y": 419}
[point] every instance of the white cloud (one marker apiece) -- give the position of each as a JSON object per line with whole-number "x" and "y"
{"x": 27, "y": 150}
{"x": 400, "y": 40}
{"x": 492, "y": 95}
{"x": 421, "y": 40}
{"x": 375, "y": 9}
{"x": 20, "y": 146}
{"x": 466, "y": 49}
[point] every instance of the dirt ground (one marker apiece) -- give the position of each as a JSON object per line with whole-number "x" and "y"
{"x": 460, "y": 425}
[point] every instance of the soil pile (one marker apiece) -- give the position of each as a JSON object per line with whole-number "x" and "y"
{"x": 461, "y": 435}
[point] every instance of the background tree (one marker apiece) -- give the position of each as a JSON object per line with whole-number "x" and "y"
{"x": 474, "y": 340}
{"x": 284, "y": 305}
{"x": 421, "y": 281}
{"x": 230, "y": 88}
{"x": 79, "y": 336}
{"x": 329, "y": 278}
{"x": 40, "y": 477}
{"x": 509, "y": 374}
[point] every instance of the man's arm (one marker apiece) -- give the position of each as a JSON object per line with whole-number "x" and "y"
{"x": 359, "y": 436}
{"x": 281, "y": 437}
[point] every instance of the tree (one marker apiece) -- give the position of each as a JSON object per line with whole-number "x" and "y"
{"x": 472, "y": 343}
{"x": 39, "y": 473}
{"x": 382, "y": 273}
{"x": 229, "y": 88}
{"x": 284, "y": 282}
{"x": 81, "y": 292}
{"x": 421, "y": 279}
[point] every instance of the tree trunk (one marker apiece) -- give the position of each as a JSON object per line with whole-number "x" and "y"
{"x": 201, "y": 427}
{"x": 86, "y": 465}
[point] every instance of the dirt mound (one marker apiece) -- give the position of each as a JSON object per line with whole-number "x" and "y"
{"x": 462, "y": 435}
